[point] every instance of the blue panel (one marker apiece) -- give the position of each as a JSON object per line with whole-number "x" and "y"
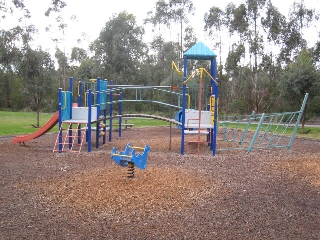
{"x": 103, "y": 95}
{"x": 65, "y": 106}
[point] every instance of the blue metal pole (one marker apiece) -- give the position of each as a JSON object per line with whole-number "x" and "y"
{"x": 79, "y": 98}
{"x": 69, "y": 109}
{"x": 184, "y": 92}
{"x": 60, "y": 118}
{"x": 89, "y": 119}
{"x": 80, "y": 94}
{"x": 216, "y": 93}
{"x": 110, "y": 114}
{"x": 71, "y": 96}
{"x": 98, "y": 101}
{"x": 120, "y": 113}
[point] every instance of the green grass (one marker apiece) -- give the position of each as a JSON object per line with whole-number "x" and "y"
{"x": 16, "y": 123}
{"x": 144, "y": 122}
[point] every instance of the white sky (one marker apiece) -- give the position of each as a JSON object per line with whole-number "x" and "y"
{"x": 92, "y": 16}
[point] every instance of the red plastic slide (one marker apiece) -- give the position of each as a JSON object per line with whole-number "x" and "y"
{"x": 44, "y": 129}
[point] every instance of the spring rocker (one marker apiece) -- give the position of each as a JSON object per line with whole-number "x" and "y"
{"x": 128, "y": 158}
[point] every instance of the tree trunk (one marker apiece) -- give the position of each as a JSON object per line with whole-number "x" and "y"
{"x": 38, "y": 116}
{"x": 303, "y": 119}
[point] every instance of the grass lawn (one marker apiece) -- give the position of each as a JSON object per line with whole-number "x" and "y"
{"x": 16, "y": 123}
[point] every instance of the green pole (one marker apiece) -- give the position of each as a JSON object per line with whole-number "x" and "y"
{"x": 304, "y": 103}
{"x": 256, "y": 133}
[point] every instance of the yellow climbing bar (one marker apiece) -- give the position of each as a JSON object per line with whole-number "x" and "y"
{"x": 194, "y": 73}
{"x": 200, "y": 71}
{"x": 215, "y": 81}
{"x": 173, "y": 66}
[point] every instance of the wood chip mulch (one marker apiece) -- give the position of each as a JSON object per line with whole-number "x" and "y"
{"x": 264, "y": 194}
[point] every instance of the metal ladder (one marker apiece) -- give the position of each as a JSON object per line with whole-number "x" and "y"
{"x": 71, "y": 140}
{"x": 198, "y": 132}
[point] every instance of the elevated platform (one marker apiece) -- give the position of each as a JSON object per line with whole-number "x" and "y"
{"x": 194, "y": 119}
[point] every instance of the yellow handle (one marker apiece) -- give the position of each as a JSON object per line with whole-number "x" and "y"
{"x": 121, "y": 155}
{"x": 139, "y": 148}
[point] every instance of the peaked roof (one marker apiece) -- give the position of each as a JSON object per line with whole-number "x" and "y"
{"x": 199, "y": 51}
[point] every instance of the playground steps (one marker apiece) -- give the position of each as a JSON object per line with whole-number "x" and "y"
{"x": 197, "y": 127}
{"x": 194, "y": 146}
{"x": 70, "y": 138}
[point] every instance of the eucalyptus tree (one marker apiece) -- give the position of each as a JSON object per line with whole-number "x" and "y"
{"x": 300, "y": 18}
{"x": 214, "y": 25}
{"x": 81, "y": 65}
{"x": 299, "y": 78}
{"x": 274, "y": 24}
{"x": 9, "y": 57}
{"x": 8, "y": 8}
{"x": 189, "y": 37}
{"x": 215, "y": 21}
{"x": 55, "y": 6}
{"x": 12, "y": 37}
{"x": 78, "y": 55}
{"x": 160, "y": 16}
{"x": 235, "y": 74}
{"x": 63, "y": 67}
{"x": 173, "y": 11}
{"x": 254, "y": 10}
{"x": 36, "y": 68}
{"x": 316, "y": 51}
{"x": 119, "y": 49}
{"x": 180, "y": 10}
{"x": 259, "y": 26}
{"x": 163, "y": 54}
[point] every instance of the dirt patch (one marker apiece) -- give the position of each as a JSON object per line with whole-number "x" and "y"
{"x": 272, "y": 194}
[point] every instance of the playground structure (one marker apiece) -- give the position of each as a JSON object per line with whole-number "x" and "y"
{"x": 257, "y": 131}
{"x": 260, "y": 131}
{"x": 201, "y": 121}
{"x": 129, "y": 158}
{"x": 93, "y": 110}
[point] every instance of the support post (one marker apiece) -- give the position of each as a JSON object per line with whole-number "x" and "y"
{"x": 184, "y": 91}
{"x": 215, "y": 92}
{"x": 304, "y": 103}
{"x": 98, "y": 101}
{"x": 256, "y": 133}
{"x": 60, "y": 118}
{"x": 89, "y": 119}
{"x": 247, "y": 128}
{"x": 71, "y": 95}
{"x": 120, "y": 113}
{"x": 80, "y": 94}
{"x": 110, "y": 113}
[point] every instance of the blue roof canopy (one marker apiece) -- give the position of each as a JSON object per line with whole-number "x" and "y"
{"x": 199, "y": 51}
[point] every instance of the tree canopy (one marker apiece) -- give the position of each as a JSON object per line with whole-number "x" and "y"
{"x": 265, "y": 64}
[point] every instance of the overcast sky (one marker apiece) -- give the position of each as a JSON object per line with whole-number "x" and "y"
{"x": 92, "y": 16}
